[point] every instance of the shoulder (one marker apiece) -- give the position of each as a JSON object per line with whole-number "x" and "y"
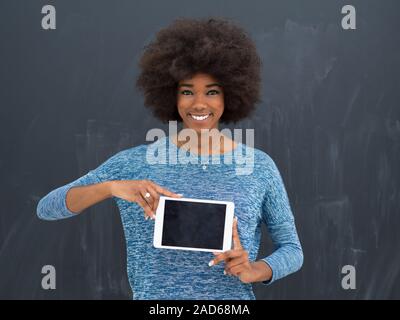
{"x": 264, "y": 168}
{"x": 135, "y": 153}
{"x": 132, "y": 152}
{"x": 122, "y": 162}
{"x": 126, "y": 154}
{"x": 262, "y": 160}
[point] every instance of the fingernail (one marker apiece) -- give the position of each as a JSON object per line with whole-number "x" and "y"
{"x": 211, "y": 263}
{"x": 224, "y": 272}
{"x": 180, "y": 194}
{"x": 146, "y": 217}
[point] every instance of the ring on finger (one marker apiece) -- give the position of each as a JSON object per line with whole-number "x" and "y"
{"x": 147, "y": 195}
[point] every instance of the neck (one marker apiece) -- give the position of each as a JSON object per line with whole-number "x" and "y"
{"x": 208, "y": 142}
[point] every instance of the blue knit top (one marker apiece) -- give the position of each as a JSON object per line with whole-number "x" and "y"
{"x": 256, "y": 189}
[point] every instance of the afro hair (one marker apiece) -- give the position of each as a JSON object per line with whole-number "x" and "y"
{"x": 215, "y": 46}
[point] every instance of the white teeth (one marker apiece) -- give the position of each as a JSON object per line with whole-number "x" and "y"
{"x": 200, "y": 118}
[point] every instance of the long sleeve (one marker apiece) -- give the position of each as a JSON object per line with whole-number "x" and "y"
{"x": 276, "y": 212}
{"x": 53, "y": 206}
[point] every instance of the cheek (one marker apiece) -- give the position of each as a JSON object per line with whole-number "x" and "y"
{"x": 221, "y": 106}
{"x": 180, "y": 105}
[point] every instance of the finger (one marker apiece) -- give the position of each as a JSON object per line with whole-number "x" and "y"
{"x": 236, "y": 261}
{"x": 154, "y": 197}
{"x": 217, "y": 259}
{"x": 225, "y": 256}
{"x": 145, "y": 206}
{"x": 235, "y": 235}
{"x": 236, "y": 270}
{"x": 149, "y": 199}
{"x": 164, "y": 191}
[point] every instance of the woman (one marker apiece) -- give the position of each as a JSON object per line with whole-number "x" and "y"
{"x": 201, "y": 73}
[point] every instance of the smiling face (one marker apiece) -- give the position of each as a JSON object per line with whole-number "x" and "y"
{"x": 200, "y": 102}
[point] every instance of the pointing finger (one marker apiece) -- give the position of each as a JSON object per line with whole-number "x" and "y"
{"x": 235, "y": 235}
{"x": 166, "y": 192}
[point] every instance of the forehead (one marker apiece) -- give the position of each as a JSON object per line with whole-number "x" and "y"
{"x": 199, "y": 78}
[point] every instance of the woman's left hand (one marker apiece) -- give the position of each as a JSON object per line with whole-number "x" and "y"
{"x": 236, "y": 260}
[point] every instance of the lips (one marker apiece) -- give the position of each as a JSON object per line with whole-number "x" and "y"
{"x": 200, "y": 117}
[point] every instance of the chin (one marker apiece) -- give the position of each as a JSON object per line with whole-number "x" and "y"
{"x": 199, "y": 128}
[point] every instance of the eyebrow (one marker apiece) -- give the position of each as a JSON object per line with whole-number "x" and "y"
{"x": 208, "y": 85}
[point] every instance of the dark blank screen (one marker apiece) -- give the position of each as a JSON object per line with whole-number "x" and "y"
{"x": 193, "y": 224}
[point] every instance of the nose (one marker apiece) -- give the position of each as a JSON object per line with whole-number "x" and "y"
{"x": 199, "y": 104}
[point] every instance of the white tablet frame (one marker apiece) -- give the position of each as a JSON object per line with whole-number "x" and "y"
{"x": 229, "y": 212}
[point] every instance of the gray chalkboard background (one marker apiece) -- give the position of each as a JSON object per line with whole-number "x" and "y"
{"x": 330, "y": 118}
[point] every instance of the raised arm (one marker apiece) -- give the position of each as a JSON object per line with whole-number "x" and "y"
{"x": 98, "y": 185}
{"x": 73, "y": 198}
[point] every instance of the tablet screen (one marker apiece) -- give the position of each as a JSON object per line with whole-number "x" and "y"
{"x": 193, "y": 224}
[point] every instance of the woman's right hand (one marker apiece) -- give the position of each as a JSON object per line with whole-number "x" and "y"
{"x": 137, "y": 190}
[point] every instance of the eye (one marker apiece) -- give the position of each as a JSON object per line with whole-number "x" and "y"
{"x": 186, "y": 92}
{"x": 213, "y": 92}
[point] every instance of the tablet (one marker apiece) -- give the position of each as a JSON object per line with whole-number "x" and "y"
{"x": 193, "y": 224}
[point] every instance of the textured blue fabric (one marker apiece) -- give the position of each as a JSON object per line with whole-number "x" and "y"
{"x": 259, "y": 197}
